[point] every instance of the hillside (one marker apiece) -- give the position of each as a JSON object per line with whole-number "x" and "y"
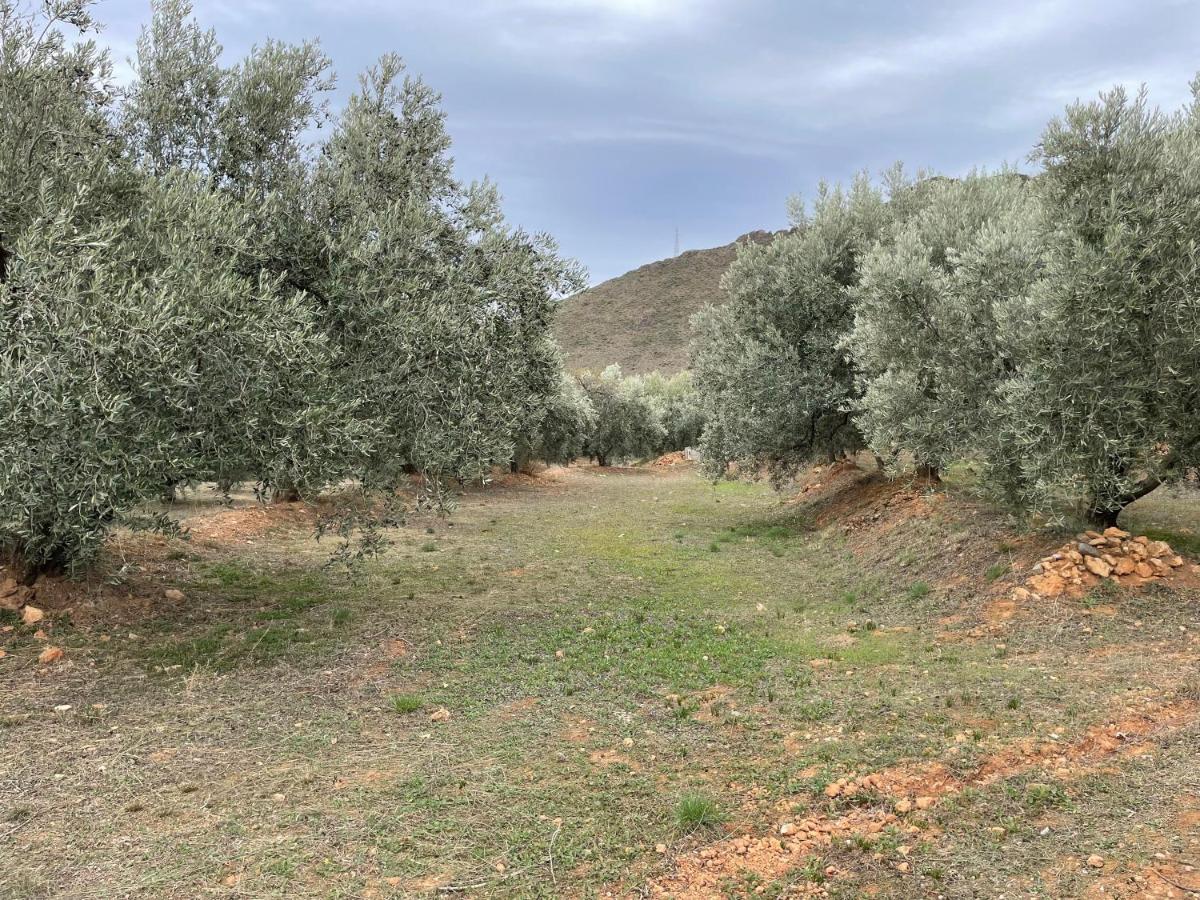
{"x": 640, "y": 319}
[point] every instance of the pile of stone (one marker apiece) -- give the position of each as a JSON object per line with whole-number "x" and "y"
{"x": 1094, "y": 556}
{"x": 16, "y": 597}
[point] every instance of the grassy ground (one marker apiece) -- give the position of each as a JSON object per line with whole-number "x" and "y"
{"x": 637, "y": 668}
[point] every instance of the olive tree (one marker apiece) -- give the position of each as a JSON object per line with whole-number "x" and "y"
{"x": 939, "y": 318}
{"x": 54, "y": 103}
{"x": 675, "y": 404}
{"x": 559, "y": 435}
{"x": 1110, "y": 394}
{"x": 441, "y": 312}
{"x": 774, "y": 385}
{"x": 627, "y": 426}
{"x": 135, "y": 354}
{"x": 243, "y": 130}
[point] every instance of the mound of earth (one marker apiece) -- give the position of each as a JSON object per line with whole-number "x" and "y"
{"x": 673, "y": 460}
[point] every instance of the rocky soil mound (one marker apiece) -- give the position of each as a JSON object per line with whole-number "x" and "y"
{"x": 1114, "y": 555}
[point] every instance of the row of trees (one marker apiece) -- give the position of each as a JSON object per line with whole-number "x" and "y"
{"x": 190, "y": 289}
{"x": 1047, "y": 327}
{"x": 610, "y": 417}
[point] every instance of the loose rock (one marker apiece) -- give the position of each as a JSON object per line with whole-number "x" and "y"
{"x": 50, "y": 655}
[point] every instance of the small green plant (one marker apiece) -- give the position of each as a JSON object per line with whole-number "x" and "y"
{"x": 714, "y": 547}
{"x": 813, "y": 870}
{"x": 1014, "y": 703}
{"x": 405, "y": 703}
{"x": 697, "y": 811}
{"x": 996, "y": 571}
{"x": 428, "y": 547}
{"x": 919, "y": 590}
{"x": 1044, "y": 795}
{"x": 682, "y": 711}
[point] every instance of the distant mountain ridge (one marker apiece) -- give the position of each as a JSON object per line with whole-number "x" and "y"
{"x": 641, "y": 319}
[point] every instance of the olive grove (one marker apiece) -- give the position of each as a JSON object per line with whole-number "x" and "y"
{"x": 1046, "y": 327}
{"x": 191, "y": 290}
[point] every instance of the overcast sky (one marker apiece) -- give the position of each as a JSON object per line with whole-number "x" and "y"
{"x": 609, "y": 123}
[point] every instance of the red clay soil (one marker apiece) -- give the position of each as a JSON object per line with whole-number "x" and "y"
{"x": 897, "y": 797}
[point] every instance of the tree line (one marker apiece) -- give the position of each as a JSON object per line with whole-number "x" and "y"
{"x": 208, "y": 275}
{"x": 1045, "y": 328}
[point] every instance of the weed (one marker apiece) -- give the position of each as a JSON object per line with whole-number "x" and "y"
{"x": 813, "y": 870}
{"x": 695, "y": 811}
{"x": 405, "y": 703}
{"x": 918, "y": 590}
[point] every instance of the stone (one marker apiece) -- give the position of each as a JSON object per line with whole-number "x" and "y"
{"x": 788, "y": 828}
{"x": 924, "y": 802}
{"x": 1124, "y": 566}
{"x": 1096, "y": 861}
{"x": 1143, "y": 570}
{"x": 50, "y": 655}
{"x": 13, "y": 596}
{"x": 174, "y": 595}
{"x": 1087, "y": 550}
{"x": 1098, "y": 566}
{"x": 1175, "y": 562}
{"x": 1114, "y": 532}
{"x": 440, "y": 715}
{"x": 31, "y": 615}
{"x": 903, "y": 806}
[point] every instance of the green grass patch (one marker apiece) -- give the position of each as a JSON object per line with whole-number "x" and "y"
{"x": 695, "y": 811}
{"x": 405, "y": 703}
{"x": 996, "y": 571}
{"x": 918, "y": 591}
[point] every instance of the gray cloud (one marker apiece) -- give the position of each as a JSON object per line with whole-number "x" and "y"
{"x": 610, "y": 122}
